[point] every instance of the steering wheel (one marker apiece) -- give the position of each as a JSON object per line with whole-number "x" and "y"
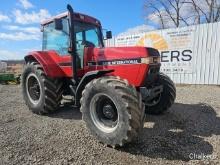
{"x": 88, "y": 44}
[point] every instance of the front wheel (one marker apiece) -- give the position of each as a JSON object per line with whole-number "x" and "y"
{"x": 112, "y": 110}
{"x": 164, "y": 100}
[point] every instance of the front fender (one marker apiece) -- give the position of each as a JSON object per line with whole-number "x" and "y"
{"x": 89, "y": 76}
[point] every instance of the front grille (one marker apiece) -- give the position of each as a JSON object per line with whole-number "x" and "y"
{"x": 152, "y": 75}
{"x": 154, "y": 70}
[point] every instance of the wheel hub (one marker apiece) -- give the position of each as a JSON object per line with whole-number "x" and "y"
{"x": 108, "y": 111}
{"x": 35, "y": 91}
{"x": 33, "y": 88}
{"x": 104, "y": 113}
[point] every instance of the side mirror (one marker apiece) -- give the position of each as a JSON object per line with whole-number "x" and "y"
{"x": 109, "y": 35}
{"x": 58, "y": 24}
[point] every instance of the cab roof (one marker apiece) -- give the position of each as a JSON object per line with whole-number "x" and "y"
{"x": 77, "y": 17}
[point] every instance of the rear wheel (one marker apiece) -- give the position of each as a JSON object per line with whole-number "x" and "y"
{"x": 164, "y": 100}
{"x": 112, "y": 110}
{"x": 41, "y": 93}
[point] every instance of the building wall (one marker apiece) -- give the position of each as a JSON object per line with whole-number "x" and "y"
{"x": 12, "y": 66}
{"x": 3, "y": 66}
{"x": 189, "y": 55}
{"x": 15, "y": 68}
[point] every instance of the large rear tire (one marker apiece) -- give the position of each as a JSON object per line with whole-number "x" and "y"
{"x": 163, "y": 101}
{"x": 112, "y": 110}
{"x": 41, "y": 94}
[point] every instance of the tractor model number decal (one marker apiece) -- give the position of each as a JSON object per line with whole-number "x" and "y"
{"x": 120, "y": 62}
{"x": 109, "y": 62}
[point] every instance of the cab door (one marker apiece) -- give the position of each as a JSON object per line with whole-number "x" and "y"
{"x": 58, "y": 41}
{"x": 87, "y": 40}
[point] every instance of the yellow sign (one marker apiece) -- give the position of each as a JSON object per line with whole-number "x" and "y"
{"x": 153, "y": 40}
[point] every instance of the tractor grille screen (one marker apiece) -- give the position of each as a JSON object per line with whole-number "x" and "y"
{"x": 154, "y": 70}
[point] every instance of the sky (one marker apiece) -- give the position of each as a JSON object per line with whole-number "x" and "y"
{"x": 20, "y": 20}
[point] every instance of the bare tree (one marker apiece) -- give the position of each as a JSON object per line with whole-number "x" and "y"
{"x": 156, "y": 14}
{"x": 168, "y": 13}
{"x": 176, "y": 13}
{"x": 196, "y": 11}
{"x": 207, "y": 9}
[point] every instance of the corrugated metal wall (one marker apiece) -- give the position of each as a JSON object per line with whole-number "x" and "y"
{"x": 206, "y": 55}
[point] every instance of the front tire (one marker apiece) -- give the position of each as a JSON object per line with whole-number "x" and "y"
{"x": 163, "y": 101}
{"x": 112, "y": 110}
{"x": 41, "y": 94}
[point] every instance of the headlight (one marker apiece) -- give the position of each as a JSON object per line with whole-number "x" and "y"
{"x": 150, "y": 60}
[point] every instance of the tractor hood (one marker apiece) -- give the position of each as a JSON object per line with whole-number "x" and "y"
{"x": 131, "y": 63}
{"x": 119, "y": 53}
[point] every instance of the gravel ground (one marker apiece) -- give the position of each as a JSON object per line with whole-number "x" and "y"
{"x": 190, "y": 130}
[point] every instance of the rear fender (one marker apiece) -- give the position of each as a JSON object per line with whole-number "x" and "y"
{"x": 49, "y": 62}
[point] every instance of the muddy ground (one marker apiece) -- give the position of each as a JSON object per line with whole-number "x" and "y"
{"x": 188, "y": 134}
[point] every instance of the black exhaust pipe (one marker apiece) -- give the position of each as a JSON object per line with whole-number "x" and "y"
{"x": 72, "y": 46}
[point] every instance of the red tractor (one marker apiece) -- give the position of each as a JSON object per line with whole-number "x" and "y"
{"x": 113, "y": 87}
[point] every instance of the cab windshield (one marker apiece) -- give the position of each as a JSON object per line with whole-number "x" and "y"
{"x": 87, "y": 35}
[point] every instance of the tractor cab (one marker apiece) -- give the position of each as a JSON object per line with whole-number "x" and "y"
{"x": 87, "y": 33}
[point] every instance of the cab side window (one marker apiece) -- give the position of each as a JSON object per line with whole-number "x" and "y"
{"x": 91, "y": 36}
{"x": 57, "y": 40}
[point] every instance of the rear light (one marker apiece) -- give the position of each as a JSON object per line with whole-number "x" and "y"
{"x": 151, "y": 60}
